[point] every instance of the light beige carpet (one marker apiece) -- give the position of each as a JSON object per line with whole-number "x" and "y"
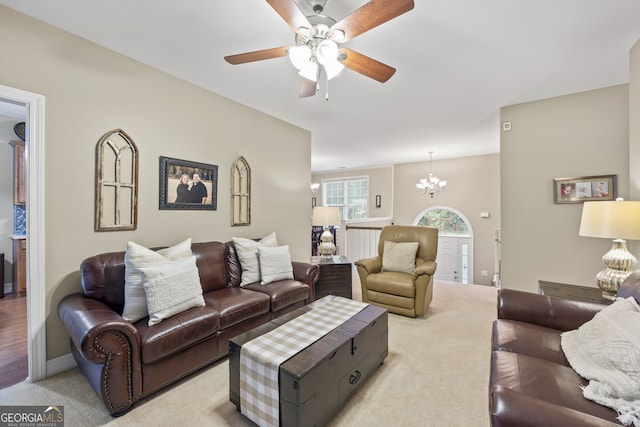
{"x": 436, "y": 374}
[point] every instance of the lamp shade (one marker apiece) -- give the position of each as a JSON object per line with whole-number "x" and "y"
{"x": 613, "y": 220}
{"x": 326, "y": 216}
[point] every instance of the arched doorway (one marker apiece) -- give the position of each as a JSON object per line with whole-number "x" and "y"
{"x": 455, "y": 243}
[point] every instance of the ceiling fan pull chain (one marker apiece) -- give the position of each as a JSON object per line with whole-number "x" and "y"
{"x": 326, "y": 96}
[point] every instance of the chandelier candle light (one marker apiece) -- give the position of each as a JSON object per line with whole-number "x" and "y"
{"x": 432, "y": 184}
{"x": 617, "y": 220}
{"x": 326, "y": 216}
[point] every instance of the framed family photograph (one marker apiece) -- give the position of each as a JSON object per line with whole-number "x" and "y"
{"x": 188, "y": 185}
{"x": 584, "y": 189}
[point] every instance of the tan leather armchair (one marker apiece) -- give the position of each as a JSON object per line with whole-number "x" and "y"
{"x": 401, "y": 293}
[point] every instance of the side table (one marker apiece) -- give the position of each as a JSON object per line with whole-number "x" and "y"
{"x": 335, "y": 276}
{"x": 574, "y": 292}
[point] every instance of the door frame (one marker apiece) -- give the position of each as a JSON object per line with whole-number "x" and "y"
{"x": 470, "y": 236}
{"x": 34, "y": 155}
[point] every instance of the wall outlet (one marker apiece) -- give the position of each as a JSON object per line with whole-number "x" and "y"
{"x": 506, "y": 126}
{"x": 484, "y": 273}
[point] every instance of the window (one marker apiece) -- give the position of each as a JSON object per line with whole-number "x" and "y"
{"x": 350, "y": 195}
{"x": 447, "y": 222}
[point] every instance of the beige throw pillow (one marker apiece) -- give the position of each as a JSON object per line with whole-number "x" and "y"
{"x": 275, "y": 264}
{"x": 171, "y": 288}
{"x": 137, "y": 256}
{"x": 400, "y": 257}
{"x": 247, "y": 251}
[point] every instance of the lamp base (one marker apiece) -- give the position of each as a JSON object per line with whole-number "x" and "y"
{"x": 619, "y": 262}
{"x": 326, "y": 248}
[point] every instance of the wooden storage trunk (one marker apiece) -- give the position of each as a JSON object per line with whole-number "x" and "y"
{"x": 318, "y": 381}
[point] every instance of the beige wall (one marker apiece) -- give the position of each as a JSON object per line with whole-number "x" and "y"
{"x": 471, "y": 189}
{"x": 575, "y": 135}
{"x": 634, "y": 122}
{"x": 90, "y": 90}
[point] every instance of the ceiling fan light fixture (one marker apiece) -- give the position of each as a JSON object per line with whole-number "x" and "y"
{"x": 300, "y": 56}
{"x": 327, "y": 52}
{"x": 333, "y": 68}
{"x": 310, "y": 71}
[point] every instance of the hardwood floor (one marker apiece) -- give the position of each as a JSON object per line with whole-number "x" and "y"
{"x": 13, "y": 340}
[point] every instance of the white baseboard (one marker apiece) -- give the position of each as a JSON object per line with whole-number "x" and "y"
{"x": 60, "y": 364}
{"x": 8, "y": 287}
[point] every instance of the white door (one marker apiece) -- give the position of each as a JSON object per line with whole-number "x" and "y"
{"x": 447, "y": 259}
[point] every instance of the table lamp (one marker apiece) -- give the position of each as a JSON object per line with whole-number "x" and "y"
{"x": 618, "y": 220}
{"x": 326, "y": 216}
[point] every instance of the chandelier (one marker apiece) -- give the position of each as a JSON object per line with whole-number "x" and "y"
{"x": 432, "y": 184}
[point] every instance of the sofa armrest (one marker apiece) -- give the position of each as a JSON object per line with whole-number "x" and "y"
{"x": 551, "y": 312}
{"x": 91, "y": 324}
{"x": 370, "y": 265}
{"x": 306, "y": 273}
{"x": 510, "y": 409}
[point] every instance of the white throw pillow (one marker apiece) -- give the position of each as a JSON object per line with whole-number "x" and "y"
{"x": 606, "y": 351}
{"x": 137, "y": 256}
{"x": 171, "y": 288}
{"x": 275, "y": 263}
{"x": 399, "y": 257}
{"x": 247, "y": 251}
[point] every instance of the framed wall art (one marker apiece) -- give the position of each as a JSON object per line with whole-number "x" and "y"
{"x": 116, "y": 203}
{"x": 584, "y": 189}
{"x": 188, "y": 185}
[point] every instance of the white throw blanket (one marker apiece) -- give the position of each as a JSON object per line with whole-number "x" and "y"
{"x": 606, "y": 351}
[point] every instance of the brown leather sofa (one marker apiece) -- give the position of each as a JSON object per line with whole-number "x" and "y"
{"x": 399, "y": 292}
{"x": 125, "y": 362}
{"x": 531, "y": 381}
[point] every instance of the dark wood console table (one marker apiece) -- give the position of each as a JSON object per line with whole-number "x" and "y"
{"x": 575, "y": 292}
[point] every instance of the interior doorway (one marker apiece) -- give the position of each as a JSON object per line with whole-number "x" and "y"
{"x": 13, "y": 306}
{"x": 34, "y": 188}
{"x": 455, "y": 243}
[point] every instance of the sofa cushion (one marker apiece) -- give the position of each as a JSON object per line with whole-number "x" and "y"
{"x": 171, "y": 287}
{"x": 282, "y": 293}
{"x": 400, "y": 257}
{"x": 275, "y": 264}
{"x": 544, "y": 380}
{"x": 136, "y": 256}
{"x": 235, "y": 305}
{"x": 176, "y": 333}
{"x": 247, "y": 251}
{"x": 529, "y": 339}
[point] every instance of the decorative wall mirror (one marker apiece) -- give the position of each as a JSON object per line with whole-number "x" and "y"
{"x": 240, "y": 192}
{"x": 116, "y": 182}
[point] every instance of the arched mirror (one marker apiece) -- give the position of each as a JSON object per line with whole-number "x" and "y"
{"x": 116, "y": 182}
{"x": 240, "y": 192}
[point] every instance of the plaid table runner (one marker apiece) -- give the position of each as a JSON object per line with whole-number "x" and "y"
{"x": 260, "y": 358}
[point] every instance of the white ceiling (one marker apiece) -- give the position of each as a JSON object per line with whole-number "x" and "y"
{"x": 457, "y": 61}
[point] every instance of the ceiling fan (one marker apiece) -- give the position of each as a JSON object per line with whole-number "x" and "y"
{"x": 317, "y": 38}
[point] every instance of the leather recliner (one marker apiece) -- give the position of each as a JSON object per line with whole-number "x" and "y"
{"x": 401, "y": 293}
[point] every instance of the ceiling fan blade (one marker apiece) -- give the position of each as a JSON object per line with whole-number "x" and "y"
{"x": 257, "y": 55}
{"x": 291, "y": 13}
{"x": 307, "y": 88}
{"x": 370, "y": 15}
{"x": 366, "y": 66}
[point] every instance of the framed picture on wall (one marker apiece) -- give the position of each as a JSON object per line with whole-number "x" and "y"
{"x": 188, "y": 185}
{"x": 584, "y": 189}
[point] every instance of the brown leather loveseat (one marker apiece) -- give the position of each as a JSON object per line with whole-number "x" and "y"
{"x": 531, "y": 381}
{"x": 125, "y": 362}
